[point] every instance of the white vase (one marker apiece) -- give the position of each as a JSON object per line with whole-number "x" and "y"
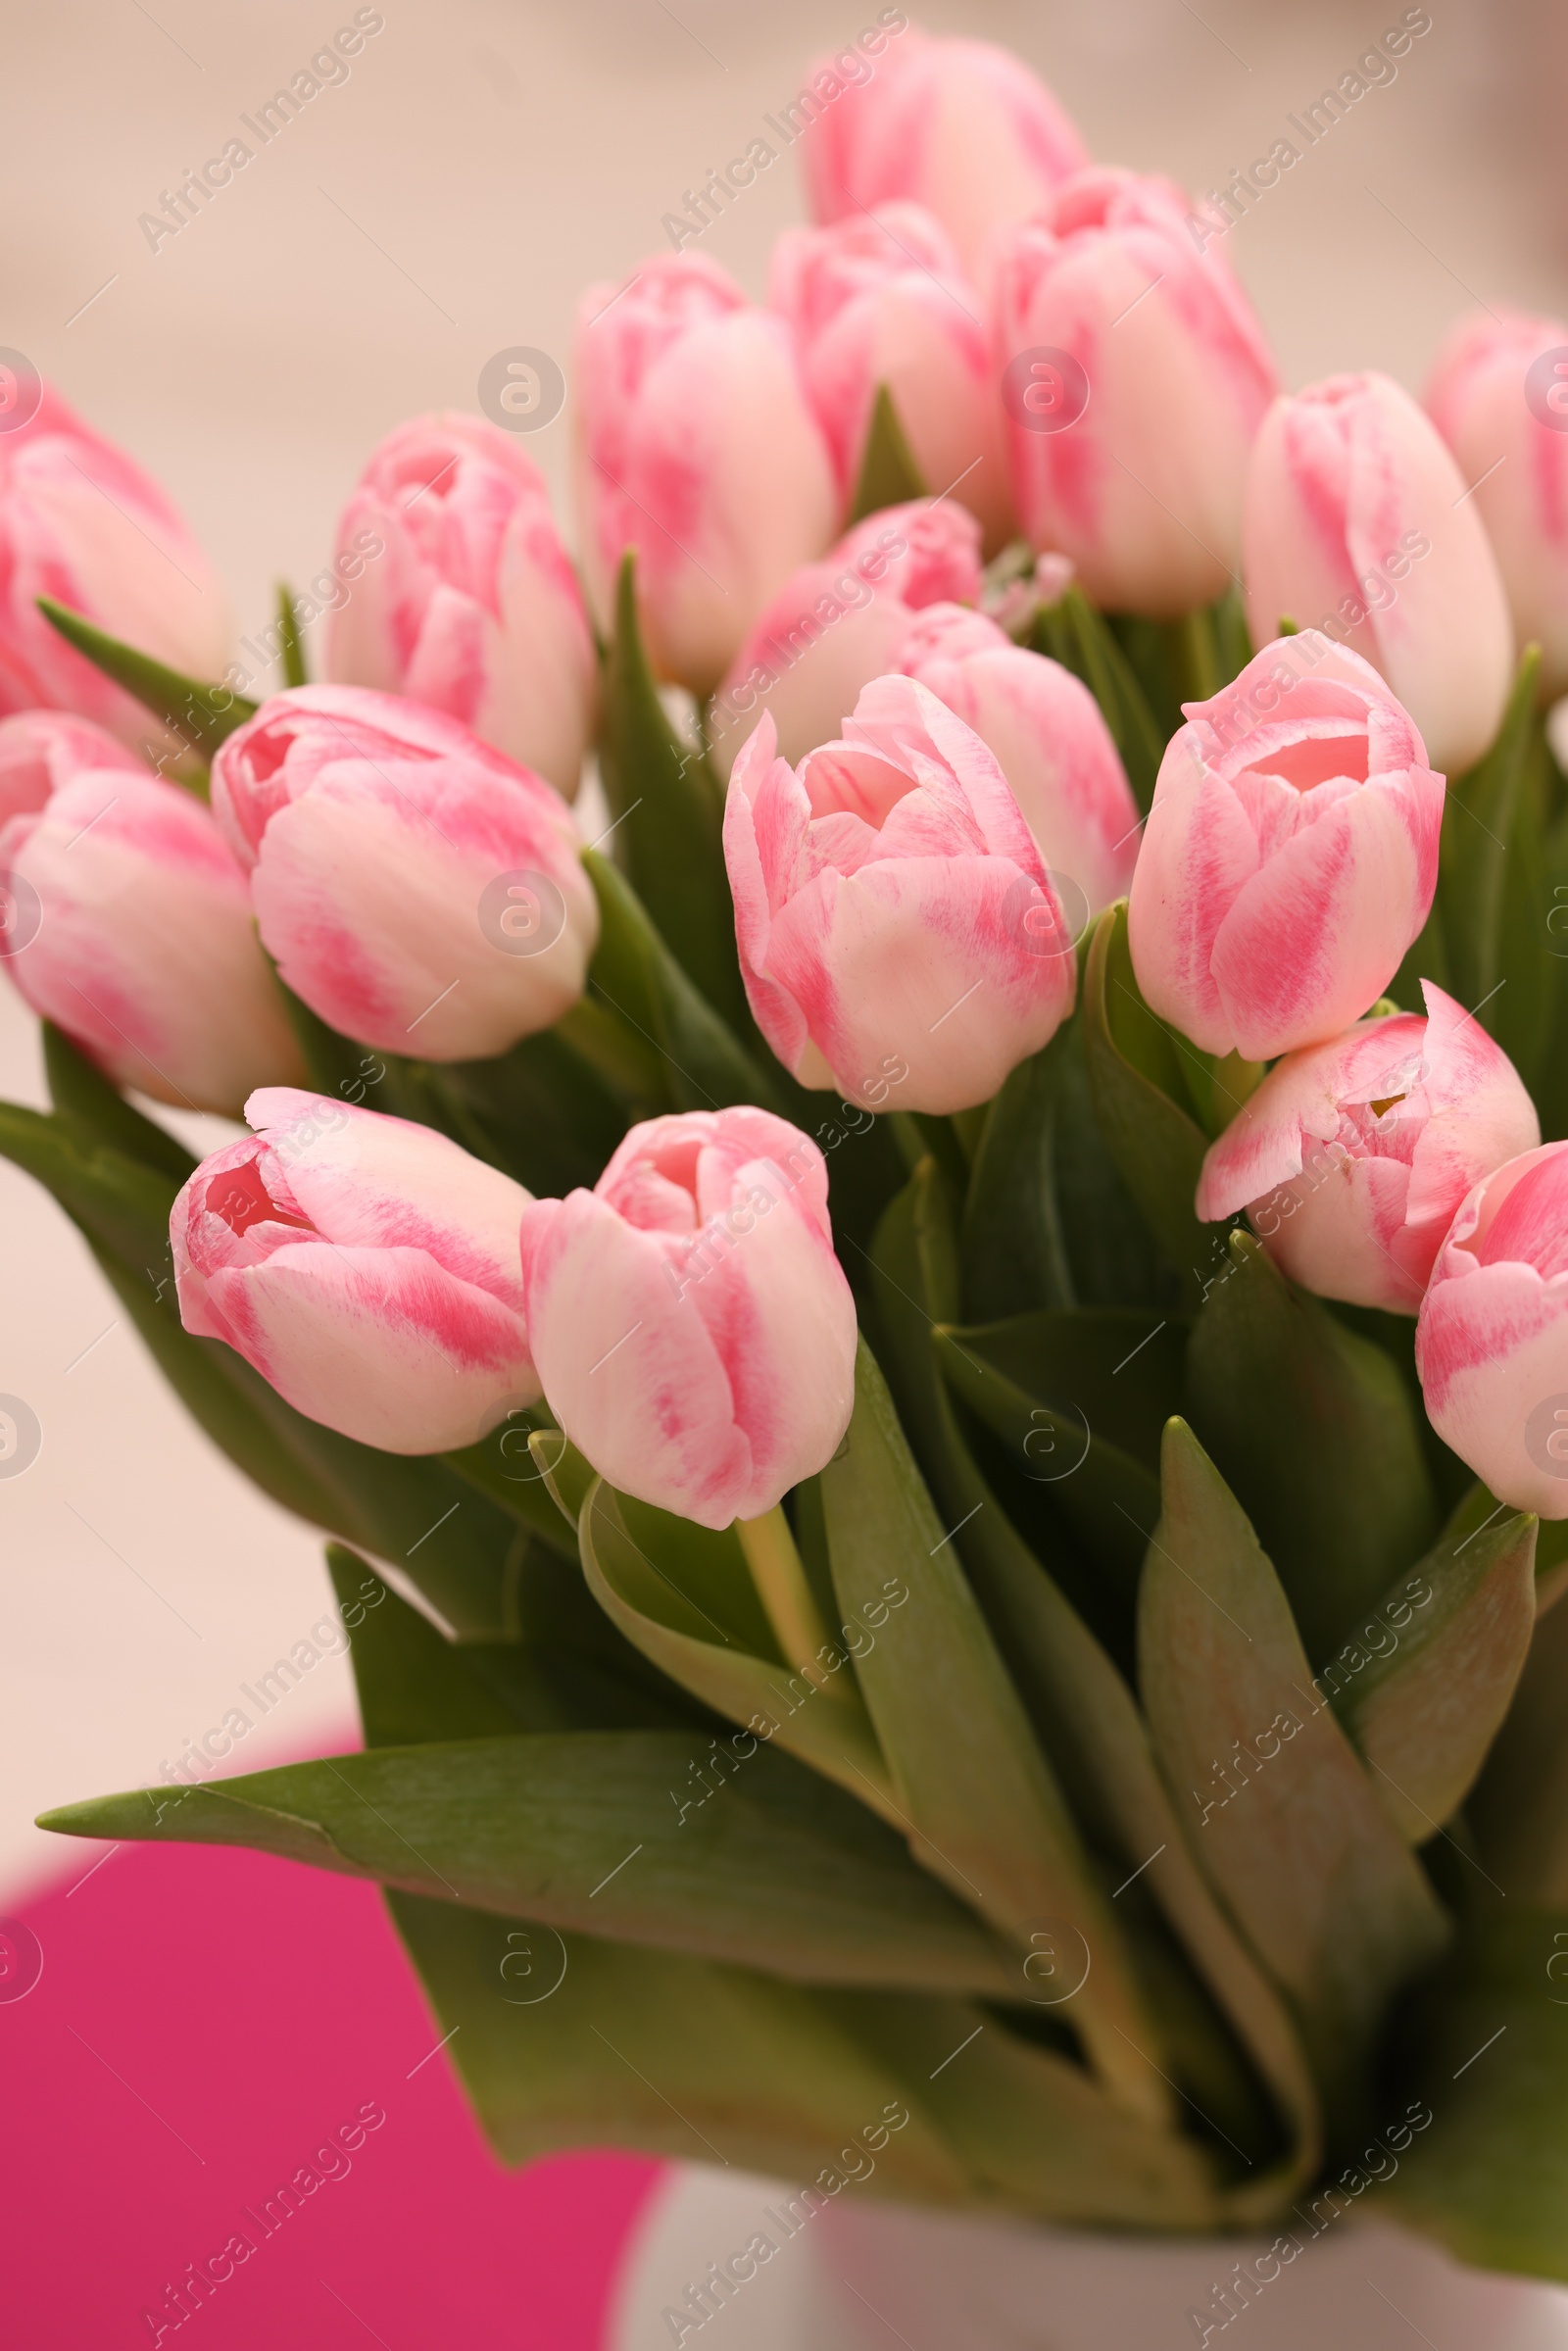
{"x": 868, "y": 2276}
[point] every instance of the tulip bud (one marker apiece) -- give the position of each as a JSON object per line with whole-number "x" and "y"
{"x": 697, "y": 446}
{"x": 691, "y": 1324}
{"x": 366, "y": 1267}
{"x": 1352, "y": 1158}
{"x": 1291, "y": 855}
{"x": 1134, "y": 376}
{"x": 473, "y": 607}
{"x": 80, "y": 521}
{"x": 41, "y": 750}
{"x": 126, "y": 921}
{"x": 961, "y": 127}
{"x": 417, "y": 889}
{"x": 881, "y": 299}
{"x": 1498, "y": 395}
{"x": 899, "y": 937}
{"x": 1357, "y": 524}
{"x": 837, "y": 624}
{"x": 1045, "y": 730}
{"x": 1492, "y": 1343}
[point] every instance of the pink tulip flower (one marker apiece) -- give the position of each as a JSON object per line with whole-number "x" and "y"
{"x": 961, "y": 127}
{"x": 697, "y": 446}
{"x": 41, "y": 750}
{"x": 881, "y": 299}
{"x": 417, "y": 889}
{"x": 899, "y": 937}
{"x": 124, "y": 920}
{"x": 1357, "y": 524}
{"x": 1290, "y": 857}
{"x": 80, "y": 521}
{"x": 473, "y": 607}
{"x": 1352, "y": 1158}
{"x": 365, "y": 1266}
{"x": 837, "y": 624}
{"x": 1134, "y": 376}
{"x": 691, "y": 1324}
{"x": 1498, "y": 395}
{"x": 1492, "y": 1344}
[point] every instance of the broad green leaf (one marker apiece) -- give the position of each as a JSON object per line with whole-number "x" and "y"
{"x": 295, "y": 672}
{"x": 1318, "y": 1438}
{"x": 1518, "y": 1810}
{"x": 1423, "y": 1685}
{"x": 1187, "y": 659}
{"x": 203, "y": 715}
{"x": 668, "y": 807}
{"x": 85, "y": 1099}
{"x": 1478, "y": 823}
{"x": 889, "y": 474}
{"x": 567, "y": 2041}
{"x": 1074, "y": 634}
{"x": 604, "y": 1833}
{"x": 1294, "y": 1840}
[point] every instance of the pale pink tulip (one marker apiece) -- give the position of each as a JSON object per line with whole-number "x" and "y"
{"x": 1357, "y": 524}
{"x": 1134, "y": 376}
{"x": 81, "y": 522}
{"x": 696, "y": 445}
{"x": 691, "y": 1325}
{"x": 1352, "y": 1158}
{"x": 41, "y": 750}
{"x": 473, "y": 605}
{"x": 126, "y": 921}
{"x": 837, "y": 624}
{"x": 1492, "y": 1344}
{"x": 1498, "y": 395}
{"x": 365, "y": 1266}
{"x": 961, "y": 127}
{"x": 881, "y": 299}
{"x": 416, "y": 887}
{"x": 899, "y": 936}
{"x": 1291, "y": 855}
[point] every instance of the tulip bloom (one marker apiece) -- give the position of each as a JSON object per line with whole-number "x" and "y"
{"x": 419, "y": 890}
{"x": 1045, "y": 730}
{"x": 1358, "y": 524}
{"x": 1291, "y": 855}
{"x": 961, "y": 127}
{"x": 80, "y": 521}
{"x": 837, "y": 624}
{"x": 691, "y": 1324}
{"x": 1352, "y": 1158}
{"x": 366, "y": 1267}
{"x": 41, "y": 750}
{"x": 126, "y": 922}
{"x": 697, "y": 446}
{"x": 1499, "y": 395}
{"x": 473, "y": 607}
{"x": 881, "y": 298}
{"x": 1492, "y": 1344}
{"x": 898, "y": 929}
{"x": 1161, "y": 376}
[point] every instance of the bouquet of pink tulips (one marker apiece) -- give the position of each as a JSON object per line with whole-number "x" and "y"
{"x": 932, "y": 1324}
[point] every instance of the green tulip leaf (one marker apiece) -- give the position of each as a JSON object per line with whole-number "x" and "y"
{"x": 889, "y": 474}
{"x": 1518, "y": 1810}
{"x": 1074, "y": 634}
{"x": 203, "y": 717}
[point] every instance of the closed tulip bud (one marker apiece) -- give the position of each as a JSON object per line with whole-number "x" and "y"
{"x": 691, "y": 1324}
{"x": 697, "y": 446}
{"x": 80, "y": 521}
{"x": 899, "y": 937}
{"x": 961, "y": 127}
{"x": 1492, "y": 1344}
{"x": 1045, "y": 730}
{"x": 365, "y": 1266}
{"x": 417, "y": 889}
{"x": 1290, "y": 857}
{"x": 881, "y": 299}
{"x": 837, "y": 624}
{"x": 472, "y": 605}
{"x": 124, "y": 920}
{"x": 1134, "y": 376}
{"x": 41, "y": 750}
{"x": 1352, "y": 1158}
{"x": 1498, "y": 395}
{"x": 1357, "y": 524}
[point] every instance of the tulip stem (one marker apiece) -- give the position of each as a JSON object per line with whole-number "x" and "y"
{"x": 787, "y": 1598}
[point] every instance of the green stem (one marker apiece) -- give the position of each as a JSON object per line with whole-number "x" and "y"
{"x": 783, "y": 1588}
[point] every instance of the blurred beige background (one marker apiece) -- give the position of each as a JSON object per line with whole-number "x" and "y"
{"x": 480, "y": 165}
